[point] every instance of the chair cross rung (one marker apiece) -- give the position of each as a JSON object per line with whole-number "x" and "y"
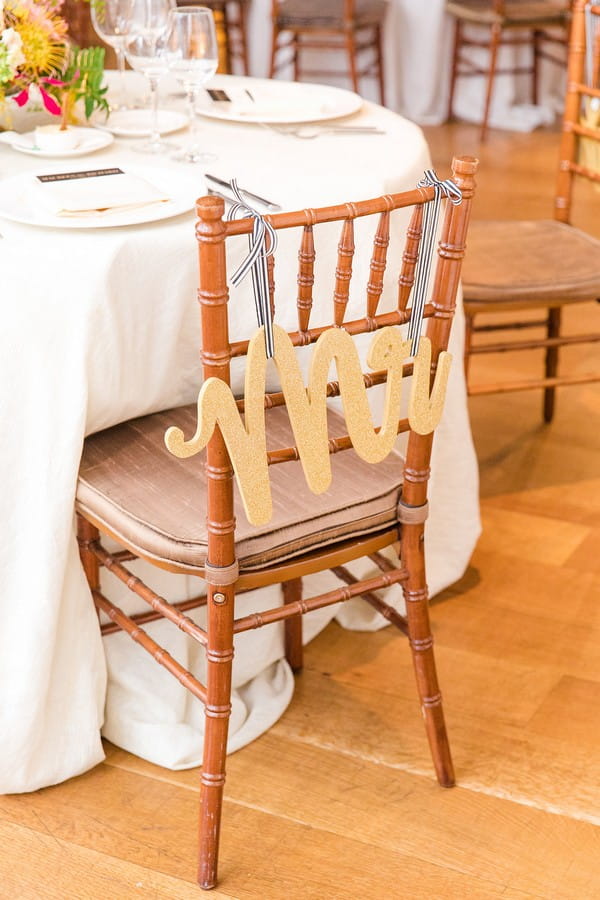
{"x": 387, "y": 611}
{"x": 559, "y": 381}
{"x": 300, "y": 607}
{"x": 533, "y": 345}
{"x": 158, "y": 653}
{"x": 158, "y": 603}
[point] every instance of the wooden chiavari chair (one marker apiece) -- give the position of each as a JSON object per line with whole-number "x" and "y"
{"x": 133, "y": 489}
{"x": 517, "y": 266}
{"x": 353, "y": 26}
{"x": 538, "y": 24}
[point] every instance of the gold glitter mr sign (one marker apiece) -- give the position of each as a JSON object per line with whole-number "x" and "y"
{"x": 307, "y": 408}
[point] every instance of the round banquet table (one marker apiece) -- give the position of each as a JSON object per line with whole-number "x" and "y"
{"x": 100, "y": 325}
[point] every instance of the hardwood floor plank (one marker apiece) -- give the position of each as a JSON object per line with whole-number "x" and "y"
{"x": 49, "y": 868}
{"x": 517, "y": 846}
{"x": 529, "y": 537}
{"x": 150, "y": 824}
{"x": 579, "y": 504}
{"x": 492, "y": 758}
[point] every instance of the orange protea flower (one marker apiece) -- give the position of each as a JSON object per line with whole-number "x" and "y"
{"x": 42, "y": 32}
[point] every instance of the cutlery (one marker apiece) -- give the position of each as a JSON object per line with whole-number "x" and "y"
{"x": 225, "y": 184}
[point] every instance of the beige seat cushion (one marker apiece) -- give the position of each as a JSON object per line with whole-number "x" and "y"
{"x": 129, "y": 481}
{"x": 524, "y": 264}
{"x": 516, "y": 14}
{"x": 328, "y": 13}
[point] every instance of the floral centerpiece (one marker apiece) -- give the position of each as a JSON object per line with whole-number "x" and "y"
{"x": 38, "y": 62}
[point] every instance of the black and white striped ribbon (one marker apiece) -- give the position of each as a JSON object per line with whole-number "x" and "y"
{"x": 431, "y": 216}
{"x": 256, "y": 262}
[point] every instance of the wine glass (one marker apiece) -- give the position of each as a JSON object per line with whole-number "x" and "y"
{"x": 110, "y": 20}
{"x": 146, "y": 52}
{"x": 193, "y": 59}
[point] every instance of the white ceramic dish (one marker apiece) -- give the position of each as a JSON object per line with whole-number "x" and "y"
{"x": 89, "y": 140}
{"x": 183, "y": 187}
{"x": 261, "y": 100}
{"x": 137, "y": 123}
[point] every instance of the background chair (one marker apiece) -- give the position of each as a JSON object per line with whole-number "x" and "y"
{"x": 232, "y": 32}
{"x": 131, "y": 488}
{"x": 508, "y": 23}
{"x": 353, "y": 26}
{"x": 519, "y": 266}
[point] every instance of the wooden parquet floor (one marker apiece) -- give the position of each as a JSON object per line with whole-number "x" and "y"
{"x": 338, "y": 800}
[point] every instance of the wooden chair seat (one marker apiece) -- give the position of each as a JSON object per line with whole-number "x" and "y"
{"x": 521, "y": 264}
{"x": 318, "y": 14}
{"x": 536, "y": 14}
{"x": 362, "y": 499}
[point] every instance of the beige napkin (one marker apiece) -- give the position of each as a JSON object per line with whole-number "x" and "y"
{"x": 94, "y": 193}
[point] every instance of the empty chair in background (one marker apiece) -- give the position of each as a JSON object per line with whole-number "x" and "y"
{"x": 353, "y": 27}
{"x": 539, "y": 24}
{"x": 520, "y": 266}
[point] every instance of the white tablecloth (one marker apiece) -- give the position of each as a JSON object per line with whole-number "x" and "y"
{"x": 417, "y": 54}
{"x": 101, "y": 325}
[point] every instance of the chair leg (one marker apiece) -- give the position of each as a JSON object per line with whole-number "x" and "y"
{"x": 535, "y": 78}
{"x": 454, "y": 71}
{"x": 421, "y": 643}
{"x": 494, "y": 47}
{"x": 86, "y": 534}
{"x": 351, "y": 50}
{"x": 296, "y": 57}
{"x": 219, "y": 658}
{"x": 380, "y": 69}
{"x": 292, "y": 591}
{"x": 552, "y": 330}
{"x": 469, "y": 326}
{"x": 243, "y": 30}
{"x": 275, "y": 38}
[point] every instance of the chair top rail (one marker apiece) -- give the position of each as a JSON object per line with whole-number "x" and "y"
{"x": 301, "y": 217}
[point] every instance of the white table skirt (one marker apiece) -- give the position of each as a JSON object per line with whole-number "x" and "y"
{"x": 101, "y": 325}
{"x": 417, "y": 53}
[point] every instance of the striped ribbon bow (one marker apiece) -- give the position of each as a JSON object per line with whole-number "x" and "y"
{"x": 430, "y": 223}
{"x": 256, "y": 262}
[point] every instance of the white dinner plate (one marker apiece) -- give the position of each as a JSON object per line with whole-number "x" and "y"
{"x": 137, "y": 123}
{"x": 17, "y": 200}
{"x": 262, "y": 100}
{"x": 90, "y": 139}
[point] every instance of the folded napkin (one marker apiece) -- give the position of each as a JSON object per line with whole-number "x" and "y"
{"x": 93, "y": 192}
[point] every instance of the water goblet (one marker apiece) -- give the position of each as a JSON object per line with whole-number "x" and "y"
{"x": 193, "y": 59}
{"x": 110, "y": 20}
{"x": 146, "y": 52}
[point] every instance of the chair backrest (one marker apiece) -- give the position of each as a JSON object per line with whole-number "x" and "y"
{"x": 241, "y": 445}
{"x": 580, "y": 143}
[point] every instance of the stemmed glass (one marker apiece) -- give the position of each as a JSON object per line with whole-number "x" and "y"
{"x": 110, "y": 20}
{"x": 193, "y": 59}
{"x": 146, "y": 52}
